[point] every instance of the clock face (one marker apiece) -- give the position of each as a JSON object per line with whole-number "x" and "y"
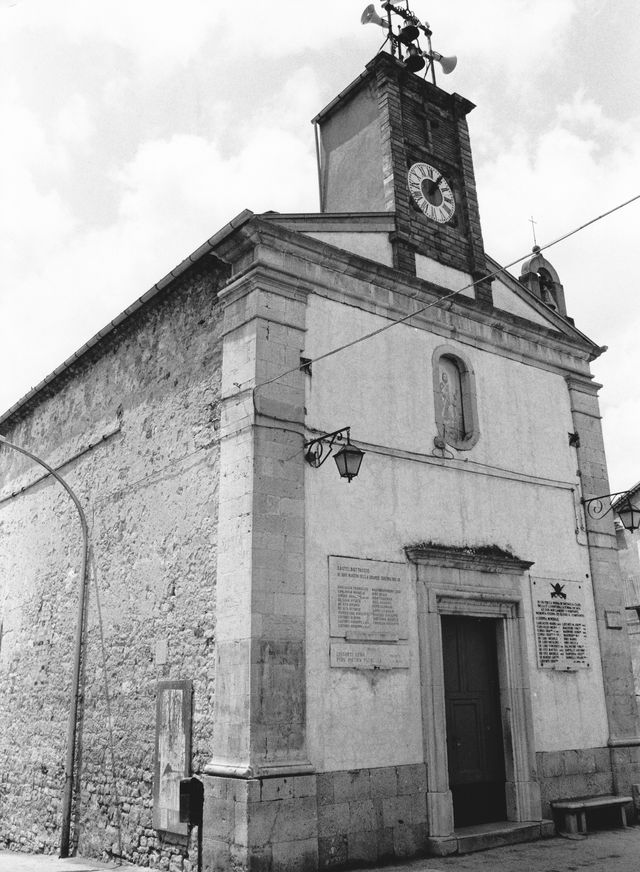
{"x": 431, "y": 192}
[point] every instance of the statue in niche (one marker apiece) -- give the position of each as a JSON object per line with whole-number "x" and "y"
{"x": 451, "y": 401}
{"x": 547, "y": 289}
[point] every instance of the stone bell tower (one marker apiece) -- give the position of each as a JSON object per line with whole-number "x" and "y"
{"x": 394, "y": 142}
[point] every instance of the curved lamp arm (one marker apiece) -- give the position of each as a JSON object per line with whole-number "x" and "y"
{"x": 75, "y": 681}
{"x": 317, "y": 450}
{"x": 619, "y": 502}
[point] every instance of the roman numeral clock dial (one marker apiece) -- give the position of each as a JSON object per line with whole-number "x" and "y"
{"x": 431, "y": 192}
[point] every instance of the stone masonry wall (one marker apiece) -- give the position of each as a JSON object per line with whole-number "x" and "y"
{"x": 149, "y": 488}
{"x": 360, "y": 816}
{"x": 371, "y": 815}
{"x": 563, "y": 774}
{"x": 260, "y": 823}
{"x": 608, "y": 591}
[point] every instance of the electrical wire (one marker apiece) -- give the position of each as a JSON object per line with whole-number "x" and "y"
{"x": 441, "y": 300}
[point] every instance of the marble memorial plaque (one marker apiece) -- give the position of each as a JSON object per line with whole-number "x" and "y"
{"x": 360, "y": 655}
{"x": 367, "y": 599}
{"x": 560, "y": 624}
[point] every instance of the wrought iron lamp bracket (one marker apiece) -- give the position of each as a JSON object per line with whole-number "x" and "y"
{"x": 319, "y": 449}
{"x": 596, "y": 509}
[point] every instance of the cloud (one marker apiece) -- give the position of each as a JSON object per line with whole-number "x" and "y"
{"x": 25, "y": 142}
{"x": 579, "y": 167}
{"x": 32, "y": 215}
{"x": 134, "y": 130}
{"x": 620, "y": 405}
{"x": 94, "y": 212}
{"x": 511, "y": 40}
{"x": 564, "y": 176}
{"x": 187, "y": 176}
{"x": 164, "y": 30}
{"x": 74, "y": 124}
{"x": 286, "y": 28}
{"x": 174, "y": 194}
{"x": 301, "y": 96}
{"x": 162, "y": 34}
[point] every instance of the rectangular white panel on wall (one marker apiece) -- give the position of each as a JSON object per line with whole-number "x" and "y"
{"x": 368, "y": 604}
{"x": 560, "y": 624}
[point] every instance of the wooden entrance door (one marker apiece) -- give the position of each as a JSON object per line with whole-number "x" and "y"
{"x": 474, "y": 734}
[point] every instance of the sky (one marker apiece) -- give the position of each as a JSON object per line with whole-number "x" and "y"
{"x": 134, "y": 130}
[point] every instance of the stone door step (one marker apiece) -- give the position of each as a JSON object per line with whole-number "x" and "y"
{"x": 481, "y": 837}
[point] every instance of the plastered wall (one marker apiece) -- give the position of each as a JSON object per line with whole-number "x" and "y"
{"x": 514, "y": 489}
{"x": 351, "y": 157}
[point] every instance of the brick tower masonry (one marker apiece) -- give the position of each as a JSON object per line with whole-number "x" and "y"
{"x": 371, "y": 134}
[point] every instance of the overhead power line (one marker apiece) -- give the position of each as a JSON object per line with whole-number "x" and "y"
{"x": 444, "y": 299}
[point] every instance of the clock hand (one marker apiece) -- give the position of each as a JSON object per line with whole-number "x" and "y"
{"x": 435, "y": 185}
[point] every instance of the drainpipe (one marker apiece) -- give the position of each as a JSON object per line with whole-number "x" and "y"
{"x": 67, "y": 795}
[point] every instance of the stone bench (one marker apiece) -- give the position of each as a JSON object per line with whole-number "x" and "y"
{"x": 575, "y": 810}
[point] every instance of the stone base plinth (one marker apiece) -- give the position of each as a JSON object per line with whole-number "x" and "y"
{"x": 260, "y": 824}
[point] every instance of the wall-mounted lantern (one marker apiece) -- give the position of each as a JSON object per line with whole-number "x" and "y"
{"x": 619, "y": 502}
{"x": 348, "y": 457}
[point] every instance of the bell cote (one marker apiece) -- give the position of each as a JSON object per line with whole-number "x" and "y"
{"x": 541, "y": 278}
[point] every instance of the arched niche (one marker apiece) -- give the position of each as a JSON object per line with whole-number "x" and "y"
{"x": 540, "y": 277}
{"x": 454, "y": 394}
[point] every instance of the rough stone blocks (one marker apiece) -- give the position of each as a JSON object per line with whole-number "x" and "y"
{"x": 580, "y": 772}
{"x": 266, "y": 824}
{"x": 370, "y": 815}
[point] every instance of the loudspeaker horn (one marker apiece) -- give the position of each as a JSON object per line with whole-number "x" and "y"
{"x": 448, "y": 64}
{"x": 370, "y": 16}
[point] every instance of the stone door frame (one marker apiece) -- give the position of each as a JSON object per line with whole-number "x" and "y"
{"x": 453, "y": 582}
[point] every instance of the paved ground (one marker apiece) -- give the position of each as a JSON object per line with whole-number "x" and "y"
{"x": 610, "y": 851}
{"x": 13, "y": 862}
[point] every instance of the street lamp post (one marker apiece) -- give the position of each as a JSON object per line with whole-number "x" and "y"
{"x": 75, "y": 681}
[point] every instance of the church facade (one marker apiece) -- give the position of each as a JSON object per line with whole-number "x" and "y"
{"x": 353, "y": 671}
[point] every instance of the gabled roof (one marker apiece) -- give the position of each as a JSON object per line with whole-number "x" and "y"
{"x": 632, "y": 493}
{"x": 525, "y": 305}
{"x": 206, "y": 248}
{"x": 528, "y": 299}
{"x": 307, "y": 225}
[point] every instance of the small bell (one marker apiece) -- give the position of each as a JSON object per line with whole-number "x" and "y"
{"x": 414, "y": 60}
{"x": 407, "y": 33}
